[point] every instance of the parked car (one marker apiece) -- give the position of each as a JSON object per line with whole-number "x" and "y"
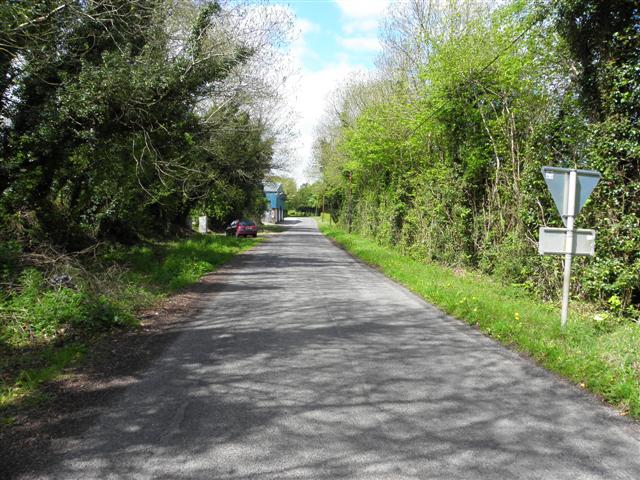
{"x": 242, "y": 228}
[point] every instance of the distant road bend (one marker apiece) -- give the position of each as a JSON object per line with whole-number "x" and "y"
{"x": 309, "y": 365}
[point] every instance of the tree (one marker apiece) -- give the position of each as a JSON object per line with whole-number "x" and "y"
{"x": 442, "y": 158}
{"x": 117, "y": 118}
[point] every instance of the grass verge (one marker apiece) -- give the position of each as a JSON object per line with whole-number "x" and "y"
{"x": 602, "y": 356}
{"x": 47, "y": 326}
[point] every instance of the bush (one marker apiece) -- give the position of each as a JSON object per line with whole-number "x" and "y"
{"x": 36, "y": 309}
{"x": 100, "y": 293}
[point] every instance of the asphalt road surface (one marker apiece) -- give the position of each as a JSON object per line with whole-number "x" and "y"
{"x": 310, "y": 365}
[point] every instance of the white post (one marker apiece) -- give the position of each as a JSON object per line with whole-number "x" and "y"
{"x": 571, "y": 212}
{"x": 203, "y": 226}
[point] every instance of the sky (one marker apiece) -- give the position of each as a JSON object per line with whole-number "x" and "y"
{"x": 337, "y": 39}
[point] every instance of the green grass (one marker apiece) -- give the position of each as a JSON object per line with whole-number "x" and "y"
{"x": 170, "y": 266}
{"x": 24, "y": 388}
{"x": 598, "y": 352}
{"x": 40, "y": 324}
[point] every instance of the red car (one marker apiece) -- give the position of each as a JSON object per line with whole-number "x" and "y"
{"x": 242, "y": 228}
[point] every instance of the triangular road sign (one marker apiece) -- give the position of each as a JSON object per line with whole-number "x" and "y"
{"x": 557, "y": 180}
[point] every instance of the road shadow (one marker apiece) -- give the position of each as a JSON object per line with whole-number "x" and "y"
{"x": 311, "y": 366}
{"x": 286, "y": 387}
{"x": 291, "y": 221}
{"x": 116, "y": 360}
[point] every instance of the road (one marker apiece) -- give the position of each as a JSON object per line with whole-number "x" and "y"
{"x": 309, "y": 365}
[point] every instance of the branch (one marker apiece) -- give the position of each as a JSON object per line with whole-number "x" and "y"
{"x": 42, "y": 18}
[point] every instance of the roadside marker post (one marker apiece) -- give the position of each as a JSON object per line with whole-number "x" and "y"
{"x": 570, "y": 189}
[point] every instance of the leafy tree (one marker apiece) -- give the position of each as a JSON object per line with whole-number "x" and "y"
{"x": 604, "y": 39}
{"x": 106, "y": 130}
{"x": 442, "y": 155}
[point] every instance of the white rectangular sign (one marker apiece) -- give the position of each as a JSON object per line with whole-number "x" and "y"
{"x": 553, "y": 242}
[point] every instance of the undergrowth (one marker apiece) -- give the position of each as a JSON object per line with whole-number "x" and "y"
{"x": 50, "y": 309}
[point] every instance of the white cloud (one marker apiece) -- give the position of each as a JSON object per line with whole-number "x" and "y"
{"x": 305, "y": 26}
{"x": 308, "y": 97}
{"x": 307, "y": 94}
{"x": 361, "y": 25}
{"x": 363, "y": 8}
{"x": 370, "y": 44}
{"x": 360, "y": 21}
{"x": 298, "y": 47}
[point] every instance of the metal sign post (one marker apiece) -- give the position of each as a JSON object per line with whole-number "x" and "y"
{"x": 571, "y": 213}
{"x": 570, "y": 189}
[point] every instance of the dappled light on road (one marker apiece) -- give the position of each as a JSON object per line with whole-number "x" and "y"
{"x": 307, "y": 364}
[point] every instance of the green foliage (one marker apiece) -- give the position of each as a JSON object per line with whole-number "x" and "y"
{"x": 598, "y": 351}
{"x": 103, "y": 132}
{"x": 108, "y": 295}
{"x": 443, "y": 160}
{"x": 603, "y": 39}
{"x": 41, "y": 309}
{"x": 9, "y": 259}
{"x": 38, "y": 310}
{"x": 305, "y": 200}
{"x": 171, "y": 266}
{"x": 325, "y": 218}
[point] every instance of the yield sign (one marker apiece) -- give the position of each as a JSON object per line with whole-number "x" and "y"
{"x": 557, "y": 180}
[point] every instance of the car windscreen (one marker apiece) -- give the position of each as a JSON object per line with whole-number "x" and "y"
{"x": 247, "y": 223}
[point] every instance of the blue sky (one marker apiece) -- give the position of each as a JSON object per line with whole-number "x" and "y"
{"x": 337, "y": 40}
{"x": 334, "y": 33}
